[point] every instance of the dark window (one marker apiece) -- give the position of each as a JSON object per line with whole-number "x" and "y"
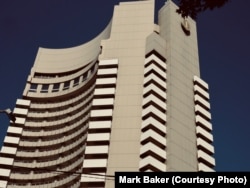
{"x": 92, "y": 69}
{"x": 76, "y": 81}
{"x": 45, "y": 88}
{"x": 56, "y": 87}
{"x": 84, "y": 76}
{"x": 33, "y": 87}
{"x": 66, "y": 85}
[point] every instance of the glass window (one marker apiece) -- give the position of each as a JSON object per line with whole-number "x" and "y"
{"x": 66, "y": 85}
{"x": 45, "y": 88}
{"x": 76, "y": 81}
{"x": 33, "y": 88}
{"x": 56, "y": 87}
{"x": 84, "y": 76}
{"x": 92, "y": 69}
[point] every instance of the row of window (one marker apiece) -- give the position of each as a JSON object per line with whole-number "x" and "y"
{"x": 65, "y": 85}
{"x": 56, "y": 86}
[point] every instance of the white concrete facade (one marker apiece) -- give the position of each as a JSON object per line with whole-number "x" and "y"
{"x": 131, "y": 99}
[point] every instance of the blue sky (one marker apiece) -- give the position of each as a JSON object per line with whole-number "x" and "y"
{"x": 223, "y": 37}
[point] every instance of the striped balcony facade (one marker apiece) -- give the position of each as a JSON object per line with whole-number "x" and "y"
{"x": 205, "y": 149}
{"x": 153, "y": 136}
{"x": 11, "y": 141}
{"x": 53, "y": 122}
{"x": 98, "y": 140}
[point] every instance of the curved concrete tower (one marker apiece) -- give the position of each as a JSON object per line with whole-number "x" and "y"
{"x": 131, "y": 99}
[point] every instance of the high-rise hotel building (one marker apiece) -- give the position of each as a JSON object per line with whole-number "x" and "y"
{"x": 130, "y": 99}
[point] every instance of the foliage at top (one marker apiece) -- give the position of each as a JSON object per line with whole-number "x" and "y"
{"x": 193, "y": 7}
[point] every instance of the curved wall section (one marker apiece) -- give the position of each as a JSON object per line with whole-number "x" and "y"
{"x": 68, "y": 59}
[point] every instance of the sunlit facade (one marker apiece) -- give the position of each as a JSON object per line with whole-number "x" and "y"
{"x": 130, "y": 99}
